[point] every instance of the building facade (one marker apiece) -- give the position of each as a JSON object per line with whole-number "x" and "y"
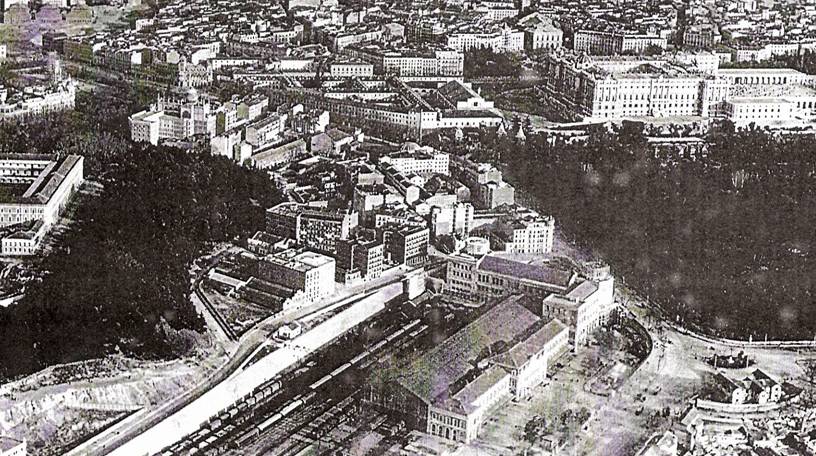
{"x": 315, "y": 228}
{"x": 451, "y": 390}
{"x": 610, "y": 43}
{"x": 300, "y": 270}
{"x": 584, "y": 308}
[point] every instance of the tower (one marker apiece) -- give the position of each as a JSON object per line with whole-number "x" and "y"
{"x": 55, "y": 67}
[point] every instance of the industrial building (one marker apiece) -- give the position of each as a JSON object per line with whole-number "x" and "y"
{"x": 580, "y": 303}
{"x": 300, "y": 270}
{"x": 451, "y": 390}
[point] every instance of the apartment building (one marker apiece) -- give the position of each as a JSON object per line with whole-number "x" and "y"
{"x": 277, "y": 154}
{"x": 252, "y": 107}
{"x": 524, "y": 233}
{"x": 360, "y": 257}
{"x": 405, "y": 244}
{"x": 408, "y": 60}
{"x": 367, "y": 198}
{"x": 487, "y": 188}
{"x": 311, "y": 227}
{"x": 503, "y": 39}
{"x": 303, "y": 271}
{"x": 266, "y": 131}
{"x": 702, "y": 36}
{"x": 351, "y": 69}
{"x": 454, "y": 219}
{"x": 543, "y": 37}
{"x": 416, "y": 159}
{"x": 596, "y": 42}
{"x": 408, "y": 111}
{"x": 37, "y": 100}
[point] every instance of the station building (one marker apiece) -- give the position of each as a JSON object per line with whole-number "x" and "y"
{"x": 451, "y": 390}
{"x": 12, "y": 447}
{"x": 578, "y": 302}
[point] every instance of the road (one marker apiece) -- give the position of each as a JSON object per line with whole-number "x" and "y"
{"x": 225, "y": 393}
{"x": 239, "y": 352}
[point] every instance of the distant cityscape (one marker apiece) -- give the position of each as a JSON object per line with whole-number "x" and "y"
{"x": 399, "y": 287}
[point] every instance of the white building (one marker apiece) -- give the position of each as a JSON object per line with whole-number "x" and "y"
{"x": 416, "y": 159}
{"x": 49, "y": 186}
{"x": 759, "y": 111}
{"x": 610, "y": 43}
{"x": 58, "y": 96}
{"x": 266, "y": 131}
{"x": 452, "y": 219}
{"x": 174, "y": 118}
{"x": 502, "y": 40}
{"x": 584, "y": 308}
{"x": 530, "y": 233}
{"x": 24, "y": 241}
{"x": 300, "y": 270}
{"x": 410, "y": 61}
{"x": 351, "y": 70}
{"x": 12, "y": 447}
{"x": 589, "y": 89}
{"x": 451, "y": 390}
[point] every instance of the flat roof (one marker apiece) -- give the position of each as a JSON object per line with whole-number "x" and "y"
{"x": 26, "y": 157}
{"x": 583, "y": 290}
{"x": 758, "y": 100}
{"x": 747, "y": 71}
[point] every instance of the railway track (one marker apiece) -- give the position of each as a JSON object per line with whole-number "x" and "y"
{"x": 269, "y": 412}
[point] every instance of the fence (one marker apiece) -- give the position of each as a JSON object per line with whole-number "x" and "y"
{"x": 743, "y": 408}
{"x": 777, "y": 344}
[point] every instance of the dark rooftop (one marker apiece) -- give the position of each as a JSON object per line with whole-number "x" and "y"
{"x": 533, "y": 272}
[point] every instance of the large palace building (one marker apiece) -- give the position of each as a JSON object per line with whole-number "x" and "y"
{"x": 34, "y": 190}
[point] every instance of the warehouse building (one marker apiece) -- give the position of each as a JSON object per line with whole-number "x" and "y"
{"x": 301, "y": 271}
{"x": 451, "y": 390}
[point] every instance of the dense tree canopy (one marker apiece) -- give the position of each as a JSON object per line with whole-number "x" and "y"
{"x": 119, "y": 281}
{"x": 725, "y": 243}
{"x": 484, "y": 62}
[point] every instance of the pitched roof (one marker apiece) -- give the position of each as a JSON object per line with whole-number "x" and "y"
{"x": 524, "y": 350}
{"x": 557, "y": 278}
{"x": 7, "y": 443}
{"x": 431, "y": 375}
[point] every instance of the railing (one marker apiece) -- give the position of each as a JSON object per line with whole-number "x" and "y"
{"x": 776, "y": 344}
